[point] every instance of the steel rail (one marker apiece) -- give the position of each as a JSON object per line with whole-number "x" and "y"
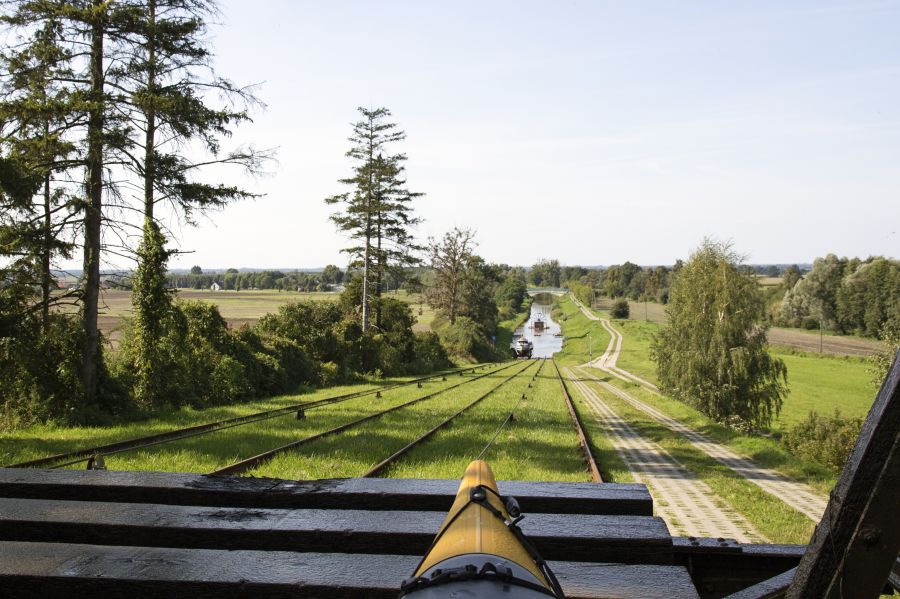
{"x": 579, "y": 429}
{"x": 383, "y": 464}
{"x": 262, "y": 458}
{"x": 61, "y": 460}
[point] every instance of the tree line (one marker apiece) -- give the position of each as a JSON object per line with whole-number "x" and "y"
{"x": 233, "y": 280}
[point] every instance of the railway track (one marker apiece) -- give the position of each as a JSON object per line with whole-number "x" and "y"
{"x": 384, "y": 464}
{"x": 579, "y": 429}
{"x": 90, "y": 454}
{"x": 261, "y": 458}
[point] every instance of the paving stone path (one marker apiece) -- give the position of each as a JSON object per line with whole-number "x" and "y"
{"x": 688, "y": 505}
{"x": 799, "y": 496}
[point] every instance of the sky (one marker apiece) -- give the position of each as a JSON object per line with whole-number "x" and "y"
{"x": 591, "y": 132}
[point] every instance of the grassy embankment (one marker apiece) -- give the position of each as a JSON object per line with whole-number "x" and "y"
{"x": 584, "y": 338}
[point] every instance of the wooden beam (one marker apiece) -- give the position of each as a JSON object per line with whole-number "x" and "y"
{"x": 573, "y": 537}
{"x": 722, "y": 566}
{"x": 51, "y": 570}
{"x": 856, "y": 543}
{"x": 370, "y": 493}
{"x": 773, "y": 588}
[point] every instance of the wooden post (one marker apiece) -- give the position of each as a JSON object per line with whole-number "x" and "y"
{"x": 856, "y": 543}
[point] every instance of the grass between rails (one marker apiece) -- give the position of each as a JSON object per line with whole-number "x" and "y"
{"x": 540, "y": 444}
{"x": 355, "y": 451}
{"x": 42, "y": 440}
{"x": 772, "y": 517}
{"x": 585, "y": 338}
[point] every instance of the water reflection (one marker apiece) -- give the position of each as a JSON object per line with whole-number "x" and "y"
{"x": 547, "y": 339}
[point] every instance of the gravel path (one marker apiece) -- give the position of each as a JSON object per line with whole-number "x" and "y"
{"x": 799, "y": 496}
{"x": 688, "y": 505}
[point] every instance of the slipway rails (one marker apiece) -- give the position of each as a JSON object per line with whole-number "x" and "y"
{"x": 91, "y": 454}
{"x": 67, "y": 533}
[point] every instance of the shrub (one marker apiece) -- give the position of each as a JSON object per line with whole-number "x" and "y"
{"x": 429, "y": 353}
{"x": 620, "y": 309}
{"x": 466, "y": 339}
{"x": 41, "y": 377}
{"x": 823, "y": 439}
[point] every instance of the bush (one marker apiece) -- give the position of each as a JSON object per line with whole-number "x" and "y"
{"x": 41, "y": 377}
{"x": 620, "y": 309}
{"x": 429, "y": 354}
{"x": 823, "y": 439}
{"x": 466, "y": 339}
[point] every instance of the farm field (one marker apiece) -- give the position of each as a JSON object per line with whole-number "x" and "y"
{"x": 242, "y": 307}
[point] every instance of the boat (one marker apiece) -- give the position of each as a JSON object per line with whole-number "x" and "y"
{"x": 538, "y": 325}
{"x": 522, "y": 348}
{"x": 480, "y": 551}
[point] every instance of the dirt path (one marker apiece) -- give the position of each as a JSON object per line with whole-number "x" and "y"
{"x": 799, "y": 496}
{"x": 688, "y": 505}
{"x": 607, "y": 361}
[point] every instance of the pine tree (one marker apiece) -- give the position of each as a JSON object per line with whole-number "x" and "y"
{"x": 713, "y": 354}
{"x": 34, "y": 113}
{"x": 377, "y": 213}
{"x": 166, "y": 83}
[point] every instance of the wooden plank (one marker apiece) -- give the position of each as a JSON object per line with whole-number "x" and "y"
{"x": 856, "y": 543}
{"x": 370, "y": 493}
{"x": 573, "y": 537}
{"x": 49, "y": 570}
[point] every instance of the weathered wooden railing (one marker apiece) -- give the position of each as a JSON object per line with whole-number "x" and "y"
{"x": 71, "y": 533}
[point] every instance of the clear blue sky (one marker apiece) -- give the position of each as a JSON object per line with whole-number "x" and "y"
{"x": 592, "y": 132}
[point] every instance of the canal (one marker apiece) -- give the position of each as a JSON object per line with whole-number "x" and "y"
{"x": 547, "y": 341}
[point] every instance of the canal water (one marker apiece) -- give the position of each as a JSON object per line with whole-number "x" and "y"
{"x": 546, "y": 342}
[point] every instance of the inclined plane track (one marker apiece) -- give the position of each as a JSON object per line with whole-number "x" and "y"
{"x": 61, "y": 460}
{"x": 262, "y": 458}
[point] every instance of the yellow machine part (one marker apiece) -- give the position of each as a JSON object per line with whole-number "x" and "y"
{"x": 475, "y": 529}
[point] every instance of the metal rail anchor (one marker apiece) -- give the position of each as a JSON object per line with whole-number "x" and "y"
{"x": 96, "y": 462}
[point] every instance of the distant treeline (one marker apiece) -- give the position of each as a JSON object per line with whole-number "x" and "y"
{"x": 842, "y": 295}
{"x": 233, "y": 280}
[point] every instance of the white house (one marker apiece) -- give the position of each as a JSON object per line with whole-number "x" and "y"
{"x": 215, "y": 287}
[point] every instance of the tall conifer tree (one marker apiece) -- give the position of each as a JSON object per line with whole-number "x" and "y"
{"x": 377, "y": 213}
